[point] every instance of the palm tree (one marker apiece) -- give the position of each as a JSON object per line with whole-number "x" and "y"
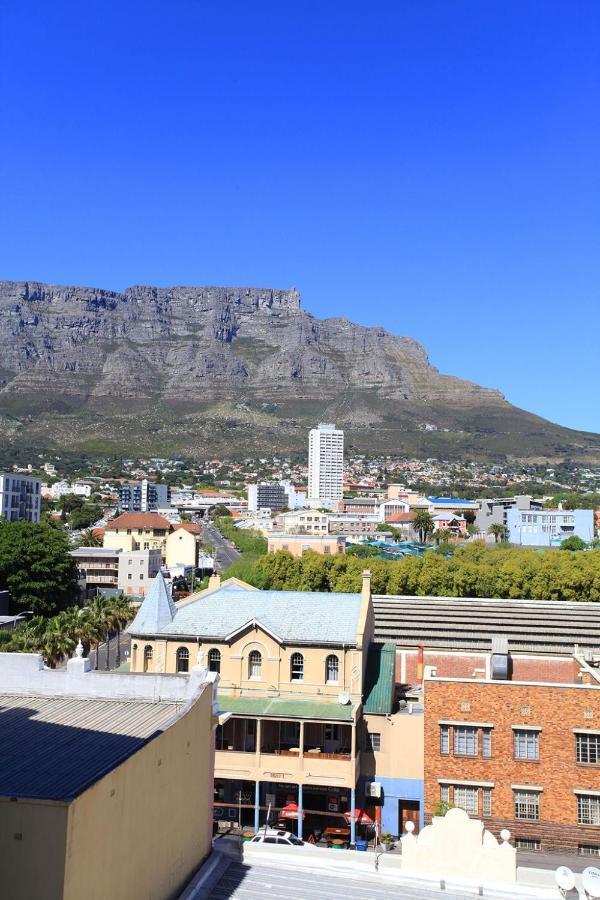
{"x": 122, "y": 616}
{"x": 499, "y": 531}
{"x": 89, "y": 539}
{"x": 84, "y": 628}
{"x": 443, "y": 535}
{"x": 58, "y": 639}
{"x": 423, "y": 524}
{"x": 101, "y": 614}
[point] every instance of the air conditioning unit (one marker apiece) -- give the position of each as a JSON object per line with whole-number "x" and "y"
{"x": 373, "y": 789}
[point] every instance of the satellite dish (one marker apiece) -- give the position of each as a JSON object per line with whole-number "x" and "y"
{"x": 344, "y": 699}
{"x": 590, "y": 878}
{"x": 564, "y": 878}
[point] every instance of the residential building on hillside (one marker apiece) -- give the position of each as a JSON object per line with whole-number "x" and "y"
{"x": 494, "y": 511}
{"x": 446, "y": 521}
{"x": 179, "y": 544}
{"x": 20, "y": 497}
{"x": 274, "y": 495}
{"x": 307, "y": 521}
{"x": 82, "y": 751}
{"x": 297, "y": 544}
{"x": 311, "y": 711}
{"x": 454, "y": 505}
{"x": 522, "y": 754}
{"x": 98, "y": 568}
{"x": 549, "y": 527}
{"x": 325, "y": 466}
{"x": 144, "y": 496}
{"x": 137, "y": 570}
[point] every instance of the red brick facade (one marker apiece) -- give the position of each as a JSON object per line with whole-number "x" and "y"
{"x": 452, "y": 664}
{"x": 558, "y": 711}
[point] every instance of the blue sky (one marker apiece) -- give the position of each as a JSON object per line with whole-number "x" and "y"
{"x": 433, "y": 167}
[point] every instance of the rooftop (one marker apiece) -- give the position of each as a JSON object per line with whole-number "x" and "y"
{"x": 380, "y": 679}
{"x": 139, "y": 520}
{"x": 83, "y": 552}
{"x": 465, "y": 623}
{"x": 290, "y": 616}
{"x": 53, "y": 748}
{"x": 62, "y": 730}
{"x": 285, "y": 708}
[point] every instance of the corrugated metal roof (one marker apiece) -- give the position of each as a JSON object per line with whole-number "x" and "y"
{"x": 53, "y": 748}
{"x": 292, "y": 616}
{"x": 470, "y": 623}
{"x": 380, "y": 679}
{"x": 285, "y": 709}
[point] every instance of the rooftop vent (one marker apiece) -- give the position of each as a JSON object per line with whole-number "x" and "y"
{"x": 500, "y": 658}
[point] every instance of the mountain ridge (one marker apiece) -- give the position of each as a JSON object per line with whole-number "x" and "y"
{"x": 207, "y": 367}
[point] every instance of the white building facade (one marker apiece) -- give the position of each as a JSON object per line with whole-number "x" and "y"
{"x": 20, "y": 497}
{"x": 325, "y": 466}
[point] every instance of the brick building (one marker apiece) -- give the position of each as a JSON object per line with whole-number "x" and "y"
{"x": 521, "y": 754}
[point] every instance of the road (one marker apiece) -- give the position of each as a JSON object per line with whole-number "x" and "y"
{"x": 225, "y": 552}
{"x": 125, "y": 642}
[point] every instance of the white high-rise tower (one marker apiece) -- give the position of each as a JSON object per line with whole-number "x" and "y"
{"x": 326, "y": 465}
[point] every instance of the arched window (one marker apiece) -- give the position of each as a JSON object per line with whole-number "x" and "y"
{"x": 332, "y": 668}
{"x": 254, "y": 664}
{"x": 214, "y": 660}
{"x": 183, "y": 659}
{"x": 147, "y": 657}
{"x": 297, "y": 667}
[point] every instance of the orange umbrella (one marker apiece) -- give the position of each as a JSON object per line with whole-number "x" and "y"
{"x": 360, "y": 817}
{"x": 290, "y": 811}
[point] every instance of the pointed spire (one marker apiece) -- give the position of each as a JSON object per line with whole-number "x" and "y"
{"x": 156, "y": 611}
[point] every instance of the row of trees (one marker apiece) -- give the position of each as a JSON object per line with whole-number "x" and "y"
{"x": 56, "y": 637}
{"x": 473, "y": 570}
{"x": 249, "y": 542}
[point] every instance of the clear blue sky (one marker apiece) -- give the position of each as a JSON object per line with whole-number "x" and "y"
{"x": 432, "y": 166}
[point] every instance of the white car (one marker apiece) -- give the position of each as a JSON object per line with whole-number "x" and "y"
{"x": 281, "y": 838}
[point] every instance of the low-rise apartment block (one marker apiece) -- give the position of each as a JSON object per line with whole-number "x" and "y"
{"x": 20, "y": 497}
{"x": 494, "y": 511}
{"x": 297, "y": 544}
{"x": 549, "y": 527}
{"x": 522, "y": 755}
{"x": 137, "y": 569}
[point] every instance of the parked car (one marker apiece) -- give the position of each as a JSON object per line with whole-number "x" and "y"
{"x": 280, "y": 838}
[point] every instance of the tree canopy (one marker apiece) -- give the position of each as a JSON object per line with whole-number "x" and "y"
{"x": 473, "y": 570}
{"x": 36, "y": 567}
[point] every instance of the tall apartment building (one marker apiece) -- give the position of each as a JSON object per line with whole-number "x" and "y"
{"x": 326, "y": 465}
{"x": 274, "y": 495}
{"x": 20, "y": 497}
{"x": 144, "y": 496}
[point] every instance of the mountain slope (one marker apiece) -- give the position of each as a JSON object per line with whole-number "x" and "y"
{"x": 210, "y": 370}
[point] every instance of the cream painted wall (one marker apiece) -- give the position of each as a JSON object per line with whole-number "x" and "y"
{"x": 181, "y": 548}
{"x": 402, "y": 746}
{"x": 275, "y": 668}
{"x": 33, "y": 842}
{"x": 143, "y": 829}
{"x": 136, "y": 540}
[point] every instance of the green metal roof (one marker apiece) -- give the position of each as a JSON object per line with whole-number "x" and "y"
{"x": 380, "y": 679}
{"x": 285, "y": 709}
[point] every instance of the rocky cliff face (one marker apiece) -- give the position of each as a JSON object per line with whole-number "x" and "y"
{"x": 220, "y": 359}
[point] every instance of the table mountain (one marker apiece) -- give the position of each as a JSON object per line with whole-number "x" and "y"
{"x": 203, "y": 370}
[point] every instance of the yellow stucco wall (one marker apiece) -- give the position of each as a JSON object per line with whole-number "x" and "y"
{"x": 402, "y": 742}
{"x": 32, "y": 849}
{"x": 275, "y": 667}
{"x": 144, "y": 828}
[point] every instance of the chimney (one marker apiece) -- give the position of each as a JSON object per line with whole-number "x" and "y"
{"x": 366, "y": 584}
{"x": 214, "y": 582}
